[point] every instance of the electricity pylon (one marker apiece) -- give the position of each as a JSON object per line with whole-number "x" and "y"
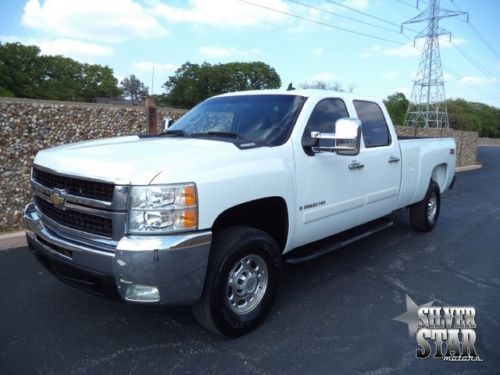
{"x": 427, "y": 108}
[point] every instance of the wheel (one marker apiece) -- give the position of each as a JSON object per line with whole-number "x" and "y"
{"x": 424, "y": 214}
{"x": 242, "y": 280}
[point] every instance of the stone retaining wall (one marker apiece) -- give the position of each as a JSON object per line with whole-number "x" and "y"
{"x": 27, "y": 126}
{"x": 466, "y": 141}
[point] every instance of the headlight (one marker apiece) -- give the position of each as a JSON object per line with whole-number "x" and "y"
{"x": 163, "y": 208}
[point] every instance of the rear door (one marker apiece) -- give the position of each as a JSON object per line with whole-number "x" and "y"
{"x": 381, "y": 159}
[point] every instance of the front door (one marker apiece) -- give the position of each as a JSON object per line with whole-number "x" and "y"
{"x": 330, "y": 194}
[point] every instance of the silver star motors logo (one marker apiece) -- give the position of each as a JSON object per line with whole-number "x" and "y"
{"x": 410, "y": 317}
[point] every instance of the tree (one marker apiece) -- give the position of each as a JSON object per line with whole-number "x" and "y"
{"x": 134, "y": 89}
{"x": 397, "y": 105}
{"x": 470, "y": 116}
{"x": 193, "y": 83}
{"x": 98, "y": 81}
{"x": 21, "y": 73}
{"x": 25, "y": 73}
{"x": 61, "y": 78}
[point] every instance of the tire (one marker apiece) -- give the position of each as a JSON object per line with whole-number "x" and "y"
{"x": 424, "y": 214}
{"x": 238, "y": 291}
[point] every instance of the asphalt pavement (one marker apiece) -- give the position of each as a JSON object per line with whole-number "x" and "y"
{"x": 333, "y": 315}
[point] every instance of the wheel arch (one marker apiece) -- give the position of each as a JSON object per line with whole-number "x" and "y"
{"x": 269, "y": 214}
{"x": 439, "y": 175}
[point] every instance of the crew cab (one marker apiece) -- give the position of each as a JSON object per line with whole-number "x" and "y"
{"x": 205, "y": 213}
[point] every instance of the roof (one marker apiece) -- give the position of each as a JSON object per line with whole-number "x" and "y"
{"x": 317, "y": 93}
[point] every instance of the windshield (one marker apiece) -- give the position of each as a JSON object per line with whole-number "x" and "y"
{"x": 267, "y": 119}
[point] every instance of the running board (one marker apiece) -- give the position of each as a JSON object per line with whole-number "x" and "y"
{"x": 317, "y": 249}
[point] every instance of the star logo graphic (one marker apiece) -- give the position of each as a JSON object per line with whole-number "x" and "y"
{"x": 410, "y": 317}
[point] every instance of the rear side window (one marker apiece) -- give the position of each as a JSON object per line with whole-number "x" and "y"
{"x": 373, "y": 125}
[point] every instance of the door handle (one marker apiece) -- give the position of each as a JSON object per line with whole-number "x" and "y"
{"x": 393, "y": 159}
{"x": 356, "y": 165}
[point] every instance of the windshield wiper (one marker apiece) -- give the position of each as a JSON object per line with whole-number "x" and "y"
{"x": 218, "y": 134}
{"x": 175, "y": 133}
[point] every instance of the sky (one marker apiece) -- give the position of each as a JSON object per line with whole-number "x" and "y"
{"x": 357, "y": 43}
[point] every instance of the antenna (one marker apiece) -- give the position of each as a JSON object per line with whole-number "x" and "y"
{"x": 427, "y": 108}
{"x": 153, "y": 81}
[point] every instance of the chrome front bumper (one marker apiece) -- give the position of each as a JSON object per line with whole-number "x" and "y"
{"x": 172, "y": 265}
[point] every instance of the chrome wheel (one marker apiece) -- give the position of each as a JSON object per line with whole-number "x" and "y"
{"x": 246, "y": 284}
{"x": 432, "y": 208}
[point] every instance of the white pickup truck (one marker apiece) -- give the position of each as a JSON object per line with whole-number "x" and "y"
{"x": 206, "y": 212}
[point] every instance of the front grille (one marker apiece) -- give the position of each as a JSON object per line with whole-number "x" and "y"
{"x": 76, "y": 219}
{"x": 83, "y": 188}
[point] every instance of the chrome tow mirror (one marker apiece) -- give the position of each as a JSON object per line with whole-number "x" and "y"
{"x": 346, "y": 139}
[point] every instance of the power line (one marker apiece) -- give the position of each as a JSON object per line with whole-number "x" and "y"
{"x": 319, "y": 22}
{"x": 474, "y": 62}
{"x": 460, "y": 77}
{"x": 448, "y": 69}
{"x": 343, "y": 16}
{"x": 479, "y": 35}
{"x": 363, "y": 13}
{"x": 404, "y": 2}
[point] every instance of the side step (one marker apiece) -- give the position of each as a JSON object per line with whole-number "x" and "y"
{"x": 317, "y": 249}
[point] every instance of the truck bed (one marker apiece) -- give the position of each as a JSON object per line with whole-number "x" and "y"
{"x": 424, "y": 158}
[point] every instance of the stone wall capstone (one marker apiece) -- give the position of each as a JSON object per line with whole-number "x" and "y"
{"x": 28, "y": 126}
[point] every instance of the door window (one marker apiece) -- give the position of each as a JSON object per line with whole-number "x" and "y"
{"x": 373, "y": 125}
{"x": 323, "y": 118}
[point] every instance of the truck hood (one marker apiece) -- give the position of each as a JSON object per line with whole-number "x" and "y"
{"x": 134, "y": 160}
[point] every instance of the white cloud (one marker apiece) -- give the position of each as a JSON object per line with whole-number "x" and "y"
{"x": 410, "y": 50}
{"x": 390, "y": 74}
{"x": 371, "y": 53}
{"x": 324, "y": 77}
{"x": 147, "y": 66}
{"x": 228, "y": 52}
{"x": 73, "y": 48}
{"x": 318, "y": 51}
{"x": 448, "y": 77}
{"x": 357, "y": 4}
{"x": 97, "y": 20}
{"x": 223, "y": 13}
{"x": 299, "y": 27}
{"x": 406, "y": 50}
{"x": 477, "y": 81}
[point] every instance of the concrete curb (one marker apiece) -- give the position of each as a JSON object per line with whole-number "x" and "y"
{"x": 468, "y": 168}
{"x": 12, "y": 240}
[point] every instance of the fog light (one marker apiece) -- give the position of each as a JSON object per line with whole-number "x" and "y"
{"x": 142, "y": 293}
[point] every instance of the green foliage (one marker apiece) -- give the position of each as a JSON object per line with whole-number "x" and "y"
{"x": 25, "y": 73}
{"x": 193, "y": 83}
{"x": 473, "y": 116}
{"x": 463, "y": 115}
{"x": 134, "y": 89}
{"x": 98, "y": 81}
{"x": 20, "y": 72}
{"x": 397, "y": 105}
